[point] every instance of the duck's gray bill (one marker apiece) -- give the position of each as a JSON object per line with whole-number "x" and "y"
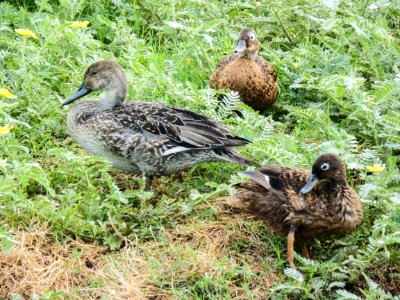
{"x": 312, "y": 181}
{"x": 241, "y": 46}
{"x": 82, "y": 91}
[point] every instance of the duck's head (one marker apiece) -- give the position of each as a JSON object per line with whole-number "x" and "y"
{"x": 102, "y": 75}
{"x": 328, "y": 166}
{"x": 247, "y": 43}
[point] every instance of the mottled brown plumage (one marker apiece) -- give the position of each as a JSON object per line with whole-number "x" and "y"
{"x": 250, "y": 75}
{"x": 143, "y": 137}
{"x": 295, "y": 201}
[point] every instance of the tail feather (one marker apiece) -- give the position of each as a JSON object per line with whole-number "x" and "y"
{"x": 234, "y": 156}
{"x": 264, "y": 180}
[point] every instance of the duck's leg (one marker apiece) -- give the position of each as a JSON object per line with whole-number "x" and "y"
{"x": 290, "y": 245}
{"x": 147, "y": 186}
{"x": 305, "y": 252}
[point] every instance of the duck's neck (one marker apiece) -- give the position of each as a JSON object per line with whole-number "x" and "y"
{"x": 84, "y": 110}
{"x": 336, "y": 185}
{"x": 249, "y": 56}
{"x": 113, "y": 98}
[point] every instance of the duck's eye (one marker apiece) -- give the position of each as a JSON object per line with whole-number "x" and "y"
{"x": 324, "y": 166}
{"x": 93, "y": 73}
{"x": 252, "y": 37}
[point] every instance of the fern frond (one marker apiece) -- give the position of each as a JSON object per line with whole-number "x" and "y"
{"x": 339, "y": 276}
{"x": 231, "y": 100}
{"x": 307, "y": 114}
{"x": 336, "y": 284}
{"x": 371, "y": 284}
{"x": 307, "y": 261}
{"x": 369, "y": 157}
{"x": 392, "y": 119}
{"x": 383, "y": 94}
{"x": 318, "y": 284}
{"x": 374, "y": 290}
{"x": 294, "y": 274}
{"x": 345, "y": 295}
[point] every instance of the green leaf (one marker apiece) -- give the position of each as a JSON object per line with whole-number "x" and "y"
{"x": 6, "y": 241}
{"x": 25, "y": 172}
{"x": 345, "y": 295}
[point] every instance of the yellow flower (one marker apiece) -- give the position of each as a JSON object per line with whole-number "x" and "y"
{"x": 79, "y": 24}
{"x": 187, "y": 61}
{"x": 6, "y": 129}
{"x": 376, "y": 168}
{"x": 6, "y": 93}
{"x": 26, "y": 32}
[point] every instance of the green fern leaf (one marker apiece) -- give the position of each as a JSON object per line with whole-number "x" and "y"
{"x": 384, "y": 93}
{"x": 345, "y": 295}
{"x": 393, "y": 119}
{"x": 294, "y": 274}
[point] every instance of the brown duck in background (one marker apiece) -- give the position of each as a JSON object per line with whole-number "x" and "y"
{"x": 250, "y": 75}
{"x": 297, "y": 202}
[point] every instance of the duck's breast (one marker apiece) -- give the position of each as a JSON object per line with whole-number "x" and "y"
{"x": 348, "y": 211}
{"x": 104, "y": 138}
{"x": 256, "y": 87}
{"x": 334, "y": 212}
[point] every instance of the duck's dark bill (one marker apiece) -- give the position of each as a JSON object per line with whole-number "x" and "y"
{"x": 241, "y": 45}
{"x": 312, "y": 181}
{"x": 82, "y": 91}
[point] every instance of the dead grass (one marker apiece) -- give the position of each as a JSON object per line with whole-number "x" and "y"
{"x": 127, "y": 276}
{"x": 37, "y": 264}
{"x": 224, "y": 250}
{"x": 205, "y": 249}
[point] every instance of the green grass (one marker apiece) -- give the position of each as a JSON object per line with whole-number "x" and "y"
{"x": 338, "y": 70}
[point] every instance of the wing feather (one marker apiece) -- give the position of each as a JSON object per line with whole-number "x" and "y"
{"x": 184, "y": 130}
{"x": 265, "y": 180}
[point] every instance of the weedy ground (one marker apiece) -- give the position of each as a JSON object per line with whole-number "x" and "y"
{"x": 72, "y": 227}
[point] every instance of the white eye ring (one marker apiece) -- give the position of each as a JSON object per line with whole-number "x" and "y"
{"x": 325, "y": 166}
{"x": 252, "y": 37}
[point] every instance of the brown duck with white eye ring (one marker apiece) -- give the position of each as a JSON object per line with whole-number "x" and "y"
{"x": 297, "y": 202}
{"x": 253, "y": 77}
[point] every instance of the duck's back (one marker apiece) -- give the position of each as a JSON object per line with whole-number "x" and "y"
{"x": 273, "y": 195}
{"x": 272, "y": 205}
{"x": 152, "y": 138}
{"x": 253, "y": 78}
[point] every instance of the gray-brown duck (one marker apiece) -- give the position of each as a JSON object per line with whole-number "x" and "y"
{"x": 143, "y": 137}
{"x": 297, "y": 202}
{"x": 253, "y": 77}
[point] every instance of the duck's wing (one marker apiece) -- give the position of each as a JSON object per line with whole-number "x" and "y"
{"x": 269, "y": 178}
{"x": 266, "y": 196}
{"x": 266, "y": 67}
{"x": 282, "y": 182}
{"x": 215, "y": 77}
{"x": 272, "y": 195}
{"x": 174, "y": 130}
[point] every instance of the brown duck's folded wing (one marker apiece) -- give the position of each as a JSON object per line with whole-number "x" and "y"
{"x": 284, "y": 184}
{"x": 265, "y": 181}
{"x": 280, "y": 181}
{"x": 266, "y": 67}
{"x": 184, "y": 129}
